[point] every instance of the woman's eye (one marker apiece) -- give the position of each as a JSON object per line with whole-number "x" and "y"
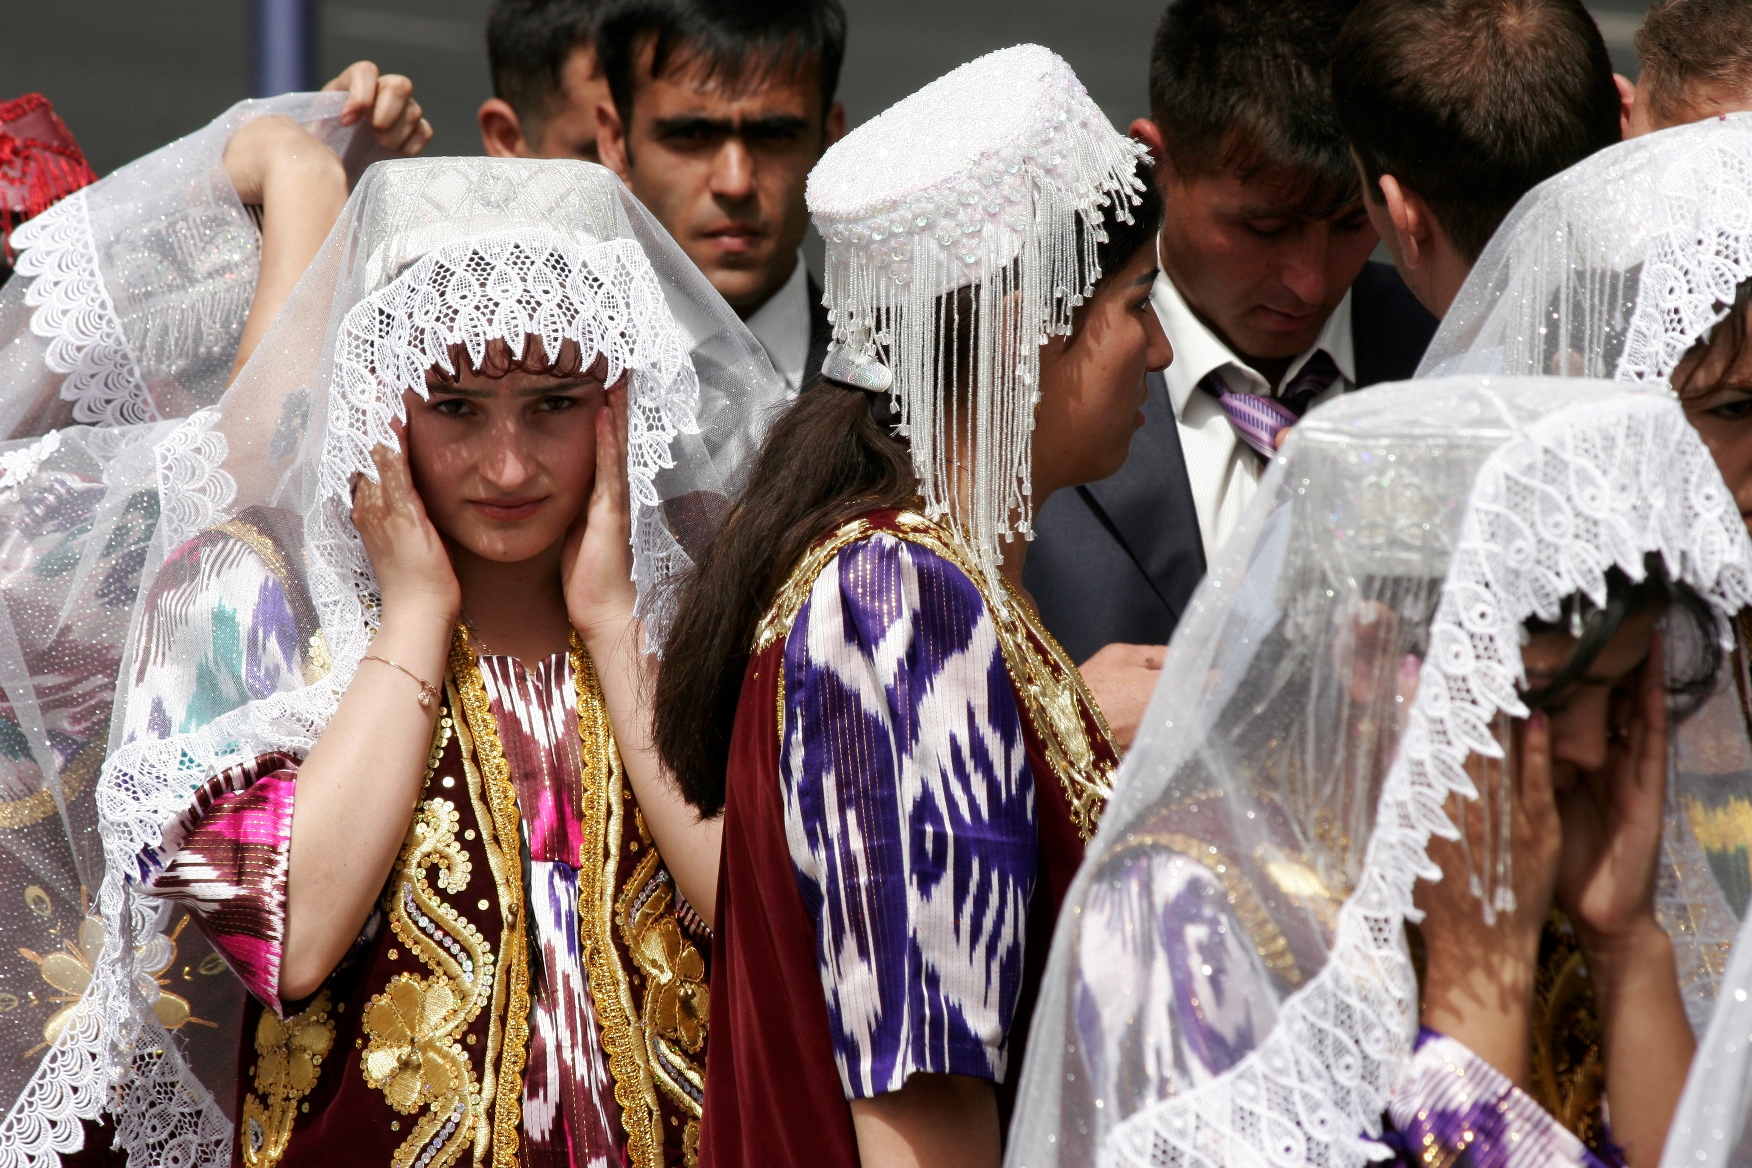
{"x": 557, "y": 402}
{"x": 451, "y": 407}
{"x": 1733, "y": 411}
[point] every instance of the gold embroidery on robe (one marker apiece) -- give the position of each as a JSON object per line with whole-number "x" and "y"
{"x": 501, "y": 820}
{"x": 598, "y": 871}
{"x": 1051, "y": 688}
{"x": 677, "y": 1005}
{"x": 289, "y": 1057}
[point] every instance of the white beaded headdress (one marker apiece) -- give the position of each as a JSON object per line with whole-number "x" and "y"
{"x": 991, "y": 178}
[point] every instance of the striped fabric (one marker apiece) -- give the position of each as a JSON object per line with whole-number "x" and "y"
{"x": 1258, "y": 420}
{"x": 1453, "y": 1108}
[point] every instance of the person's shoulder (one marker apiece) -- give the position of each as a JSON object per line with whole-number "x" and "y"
{"x": 880, "y": 561}
{"x": 1389, "y": 327}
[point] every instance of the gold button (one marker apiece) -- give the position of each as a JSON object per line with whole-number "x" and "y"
{"x": 393, "y": 954}
{"x": 470, "y": 1040}
{"x": 469, "y": 834}
{"x": 449, "y": 781}
{"x": 481, "y": 904}
{"x": 395, "y": 1125}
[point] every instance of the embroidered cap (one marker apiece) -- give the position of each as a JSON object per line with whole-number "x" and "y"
{"x": 991, "y": 178}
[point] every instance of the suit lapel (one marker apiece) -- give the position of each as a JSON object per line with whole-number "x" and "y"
{"x": 1148, "y": 504}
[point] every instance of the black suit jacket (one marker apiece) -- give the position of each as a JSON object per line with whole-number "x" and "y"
{"x": 820, "y": 332}
{"x": 1117, "y": 560}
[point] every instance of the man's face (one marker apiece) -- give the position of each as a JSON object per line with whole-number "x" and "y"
{"x": 569, "y": 130}
{"x": 724, "y": 169}
{"x": 1256, "y": 267}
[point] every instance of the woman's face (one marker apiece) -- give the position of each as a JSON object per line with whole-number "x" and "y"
{"x": 1585, "y": 715}
{"x": 1715, "y": 384}
{"x": 505, "y": 465}
{"x": 1092, "y": 382}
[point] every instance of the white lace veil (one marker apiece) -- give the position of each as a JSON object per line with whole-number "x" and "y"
{"x": 1614, "y": 267}
{"x": 130, "y": 295}
{"x": 428, "y": 253}
{"x": 1230, "y": 982}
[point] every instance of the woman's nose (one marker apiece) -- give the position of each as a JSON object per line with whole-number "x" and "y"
{"x": 506, "y": 464}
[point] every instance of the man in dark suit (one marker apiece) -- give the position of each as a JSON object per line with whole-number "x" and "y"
{"x": 1265, "y": 293}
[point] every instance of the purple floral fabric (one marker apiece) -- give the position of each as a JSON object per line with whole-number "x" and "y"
{"x": 909, "y": 808}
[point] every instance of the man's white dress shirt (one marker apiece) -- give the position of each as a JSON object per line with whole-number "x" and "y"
{"x": 1224, "y": 471}
{"x": 781, "y": 325}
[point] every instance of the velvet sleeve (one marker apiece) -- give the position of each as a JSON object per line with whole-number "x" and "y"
{"x": 1454, "y": 1108}
{"x": 910, "y": 815}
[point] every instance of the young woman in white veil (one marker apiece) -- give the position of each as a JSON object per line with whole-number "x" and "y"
{"x": 1636, "y": 264}
{"x": 137, "y": 299}
{"x": 1441, "y": 614}
{"x": 380, "y": 727}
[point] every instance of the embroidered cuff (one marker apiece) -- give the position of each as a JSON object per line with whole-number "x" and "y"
{"x": 1455, "y": 1108}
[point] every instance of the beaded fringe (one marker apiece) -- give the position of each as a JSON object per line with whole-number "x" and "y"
{"x": 1028, "y": 272}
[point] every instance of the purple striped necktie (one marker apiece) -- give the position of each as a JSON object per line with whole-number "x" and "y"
{"x": 1258, "y": 419}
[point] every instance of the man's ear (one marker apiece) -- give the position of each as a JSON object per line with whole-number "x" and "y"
{"x": 502, "y": 130}
{"x": 1150, "y": 134}
{"x": 1410, "y": 217}
{"x": 611, "y": 141}
{"x": 1626, "y": 103}
{"x": 834, "y": 125}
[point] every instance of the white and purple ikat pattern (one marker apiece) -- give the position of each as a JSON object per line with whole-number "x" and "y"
{"x": 910, "y": 813}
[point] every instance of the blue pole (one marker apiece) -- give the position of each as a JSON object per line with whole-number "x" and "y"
{"x": 284, "y": 48}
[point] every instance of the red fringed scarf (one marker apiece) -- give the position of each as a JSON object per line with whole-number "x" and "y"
{"x": 40, "y": 164}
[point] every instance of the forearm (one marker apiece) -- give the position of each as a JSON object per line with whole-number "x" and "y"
{"x": 689, "y": 845}
{"x": 355, "y": 798}
{"x": 947, "y": 1120}
{"x": 1648, "y": 1040}
{"x": 303, "y": 189}
{"x": 1484, "y": 1002}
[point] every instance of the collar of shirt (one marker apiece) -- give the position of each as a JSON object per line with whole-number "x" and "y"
{"x": 781, "y": 325}
{"x": 1198, "y": 351}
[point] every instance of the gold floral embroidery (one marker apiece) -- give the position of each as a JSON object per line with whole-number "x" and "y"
{"x": 413, "y": 1029}
{"x": 68, "y": 970}
{"x": 501, "y": 821}
{"x": 289, "y": 1058}
{"x": 677, "y": 1005}
{"x": 1051, "y": 688}
{"x": 412, "y": 1058}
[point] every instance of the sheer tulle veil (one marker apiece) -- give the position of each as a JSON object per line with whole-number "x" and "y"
{"x": 1230, "y": 983}
{"x": 428, "y": 254}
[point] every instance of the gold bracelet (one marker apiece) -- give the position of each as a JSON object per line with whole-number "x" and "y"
{"x": 427, "y": 689}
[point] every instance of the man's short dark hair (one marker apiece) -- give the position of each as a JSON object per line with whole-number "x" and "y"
{"x": 1692, "y": 50}
{"x": 528, "y": 43}
{"x": 1471, "y": 103}
{"x": 1242, "y": 85}
{"x": 735, "y": 43}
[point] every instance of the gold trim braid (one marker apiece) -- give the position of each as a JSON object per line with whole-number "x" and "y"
{"x": 506, "y": 1051}
{"x": 1052, "y": 689}
{"x": 598, "y": 869}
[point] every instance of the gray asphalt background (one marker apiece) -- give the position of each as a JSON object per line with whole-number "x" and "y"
{"x": 130, "y": 75}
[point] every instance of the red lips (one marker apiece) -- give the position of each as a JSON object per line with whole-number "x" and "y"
{"x": 507, "y": 510}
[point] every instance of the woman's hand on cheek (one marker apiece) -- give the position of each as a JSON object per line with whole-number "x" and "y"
{"x": 413, "y": 568}
{"x": 1478, "y": 984}
{"x": 598, "y": 559}
{"x": 1612, "y": 822}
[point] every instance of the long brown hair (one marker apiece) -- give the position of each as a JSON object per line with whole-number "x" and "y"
{"x": 832, "y": 456}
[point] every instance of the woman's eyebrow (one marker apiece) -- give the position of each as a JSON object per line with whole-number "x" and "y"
{"x": 562, "y": 387}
